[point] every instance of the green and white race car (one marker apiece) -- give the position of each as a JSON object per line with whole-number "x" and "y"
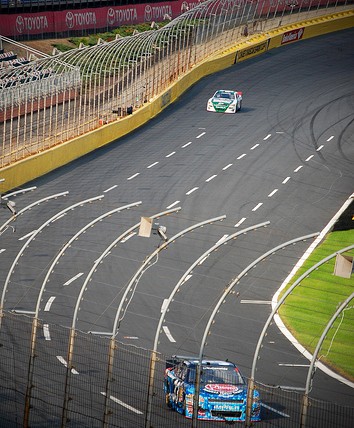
{"x": 225, "y": 101}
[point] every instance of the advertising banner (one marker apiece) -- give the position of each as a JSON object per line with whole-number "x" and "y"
{"x": 292, "y": 36}
{"x": 104, "y": 18}
{"x": 252, "y": 51}
{"x": 52, "y": 22}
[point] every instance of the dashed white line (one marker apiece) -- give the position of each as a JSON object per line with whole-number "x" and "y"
{"x": 73, "y": 278}
{"x": 319, "y": 148}
{"x": 2, "y": 250}
{"x": 242, "y": 156}
{"x": 187, "y": 278}
{"x": 272, "y": 193}
{"x": 133, "y": 176}
{"x": 222, "y": 239}
{"x": 128, "y": 237}
{"x": 153, "y": 164}
{"x": 257, "y": 302}
{"x": 27, "y": 236}
{"x": 23, "y": 311}
{"x": 63, "y": 361}
{"x": 203, "y": 260}
{"x": 187, "y": 144}
{"x": 256, "y": 145}
{"x": 309, "y": 158}
{"x": 200, "y": 135}
{"x": 49, "y": 304}
{"x": 192, "y": 190}
{"x": 275, "y": 410}
{"x": 293, "y": 365}
{"x": 172, "y": 205}
{"x": 227, "y": 167}
{"x": 110, "y": 188}
{"x": 210, "y": 178}
{"x": 286, "y": 180}
{"x": 330, "y": 138}
{"x": 46, "y": 331}
{"x": 257, "y": 206}
{"x": 170, "y": 154}
{"x": 240, "y": 222}
{"x": 168, "y": 333}
{"x": 298, "y": 168}
{"x": 268, "y": 136}
{"x": 164, "y": 305}
{"x": 121, "y": 403}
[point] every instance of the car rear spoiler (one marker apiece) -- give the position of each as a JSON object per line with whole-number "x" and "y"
{"x": 175, "y": 359}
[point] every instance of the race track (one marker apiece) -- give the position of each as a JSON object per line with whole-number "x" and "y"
{"x": 286, "y": 158}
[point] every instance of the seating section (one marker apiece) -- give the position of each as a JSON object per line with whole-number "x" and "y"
{"x": 9, "y": 60}
{"x": 28, "y": 74}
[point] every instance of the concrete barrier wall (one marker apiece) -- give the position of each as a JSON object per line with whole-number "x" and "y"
{"x": 35, "y": 166}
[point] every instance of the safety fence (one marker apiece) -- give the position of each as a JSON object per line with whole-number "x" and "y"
{"x": 54, "y": 99}
{"x": 45, "y": 391}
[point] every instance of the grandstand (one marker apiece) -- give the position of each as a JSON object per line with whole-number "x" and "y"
{"x": 27, "y": 85}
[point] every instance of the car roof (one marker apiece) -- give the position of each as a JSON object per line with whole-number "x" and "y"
{"x": 227, "y": 91}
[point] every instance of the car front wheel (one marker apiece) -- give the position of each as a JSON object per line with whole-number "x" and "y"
{"x": 168, "y": 401}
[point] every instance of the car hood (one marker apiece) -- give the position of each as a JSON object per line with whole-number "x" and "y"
{"x": 222, "y": 101}
{"x": 224, "y": 390}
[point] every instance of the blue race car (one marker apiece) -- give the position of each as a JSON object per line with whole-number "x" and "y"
{"x": 223, "y": 390}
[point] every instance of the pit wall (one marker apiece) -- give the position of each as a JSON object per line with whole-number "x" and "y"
{"x": 35, "y": 166}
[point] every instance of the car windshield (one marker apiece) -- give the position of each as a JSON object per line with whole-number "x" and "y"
{"x": 221, "y": 94}
{"x": 218, "y": 374}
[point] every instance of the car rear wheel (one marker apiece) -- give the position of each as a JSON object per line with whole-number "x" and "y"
{"x": 239, "y": 109}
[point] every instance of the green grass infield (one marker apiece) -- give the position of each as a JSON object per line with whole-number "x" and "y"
{"x": 308, "y": 309}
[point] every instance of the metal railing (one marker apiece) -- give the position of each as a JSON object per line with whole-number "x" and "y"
{"x": 50, "y": 100}
{"x": 280, "y": 407}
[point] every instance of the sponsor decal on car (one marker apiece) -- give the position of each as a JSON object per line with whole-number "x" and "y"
{"x": 224, "y": 390}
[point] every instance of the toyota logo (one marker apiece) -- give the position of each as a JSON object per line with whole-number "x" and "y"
{"x": 148, "y": 13}
{"x": 20, "y": 24}
{"x": 69, "y": 19}
{"x": 110, "y": 16}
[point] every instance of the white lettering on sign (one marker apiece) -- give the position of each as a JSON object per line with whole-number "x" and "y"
{"x": 123, "y": 15}
{"x": 119, "y": 16}
{"x": 74, "y": 19}
{"x": 291, "y": 36}
{"x": 30, "y": 23}
{"x": 161, "y": 11}
{"x": 157, "y": 12}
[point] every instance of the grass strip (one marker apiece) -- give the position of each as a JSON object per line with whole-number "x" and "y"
{"x": 311, "y": 305}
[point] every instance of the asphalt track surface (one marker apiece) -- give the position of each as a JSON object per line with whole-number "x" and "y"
{"x": 286, "y": 158}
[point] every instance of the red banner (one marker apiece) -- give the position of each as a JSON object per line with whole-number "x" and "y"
{"x": 65, "y": 23}
{"x": 54, "y": 22}
{"x": 292, "y": 36}
{"x": 266, "y": 7}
